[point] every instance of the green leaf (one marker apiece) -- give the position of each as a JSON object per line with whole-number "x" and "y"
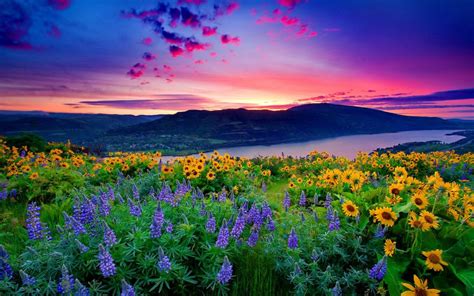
{"x": 393, "y": 277}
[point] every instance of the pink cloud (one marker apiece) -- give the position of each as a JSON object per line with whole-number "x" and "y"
{"x": 193, "y": 45}
{"x": 136, "y": 71}
{"x": 147, "y": 41}
{"x": 289, "y": 21}
{"x": 209, "y": 31}
{"x": 226, "y": 39}
{"x": 232, "y": 7}
{"x": 148, "y": 56}
{"x": 289, "y": 3}
{"x": 176, "y": 51}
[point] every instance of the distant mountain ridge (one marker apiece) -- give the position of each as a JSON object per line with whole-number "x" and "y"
{"x": 201, "y": 130}
{"x": 304, "y": 121}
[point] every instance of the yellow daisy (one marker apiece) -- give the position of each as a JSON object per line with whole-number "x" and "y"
{"x": 434, "y": 260}
{"x": 420, "y": 288}
{"x": 389, "y": 247}
{"x": 350, "y": 209}
{"x": 419, "y": 200}
{"x": 429, "y": 220}
{"x": 386, "y": 216}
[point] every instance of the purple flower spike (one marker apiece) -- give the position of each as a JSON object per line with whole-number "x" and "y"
{"x": 225, "y": 274}
{"x": 292, "y": 239}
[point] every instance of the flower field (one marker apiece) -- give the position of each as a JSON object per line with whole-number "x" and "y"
{"x": 134, "y": 224}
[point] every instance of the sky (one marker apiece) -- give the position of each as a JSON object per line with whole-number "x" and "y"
{"x": 412, "y": 57}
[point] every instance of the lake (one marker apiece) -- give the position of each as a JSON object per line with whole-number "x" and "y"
{"x": 347, "y": 146}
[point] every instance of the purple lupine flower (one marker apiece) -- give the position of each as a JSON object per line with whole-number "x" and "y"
{"x": 135, "y": 193}
{"x": 82, "y": 248}
{"x": 13, "y": 193}
{"x": 286, "y": 201}
{"x": 77, "y": 227}
{"x": 292, "y": 239}
{"x": 253, "y": 238}
{"x": 109, "y": 236}
{"x": 328, "y": 200}
{"x": 223, "y": 237}
{"x": 157, "y": 223}
{"x": 211, "y": 224}
{"x": 87, "y": 211}
{"x": 3, "y": 194}
{"x": 26, "y": 279}
{"x": 266, "y": 211}
{"x": 270, "y": 225}
{"x": 182, "y": 188}
{"x": 238, "y": 226}
{"x": 336, "y": 291}
{"x": 6, "y": 270}
{"x": 302, "y": 202}
{"x": 378, "y": 271}
{"x": 66, "y": 282}
{"x": 169, "y": 227}
{"x": 225, "y": 274}
{"x": 380, "y": 231}
{"x": 165, "y": 194}
{"x": 302, "y": 217}
{"x": 264, "y": 187}
{"x": 33, "y": 224}
{"x": 80, "y": 289}
{"x": 341, "y": 200}
{"x": 164, "y": 263}
{"x": 111, "y": 194}
{"x": 334, "y": 223}
{"x": 316, "y": 199}
{"x": 120, "y": 198}
{"x": 329, "y": 213}
{"x": 222, "y": 196}
{"x": 315, "y": 215}
{"x": 135, "y": 210}
{"x": 106, "y": 262}
{"x": 104, "y": 205}
{"x": 46, "y": 232}
{"x": 127, "y": 289}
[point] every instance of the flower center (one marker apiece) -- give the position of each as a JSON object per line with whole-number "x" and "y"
{"x": 434, "y": 258}
{"x": 386, "y": 216}
{"x": 418, "y": 201}
{"x": 350, "y": 208}
{"x": 420, "y": 292}
{"x": 395, "y": 191}
{"x": 428, "y": 219}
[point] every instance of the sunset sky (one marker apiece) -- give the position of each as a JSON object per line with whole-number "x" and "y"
{"x": 413, "y": 57}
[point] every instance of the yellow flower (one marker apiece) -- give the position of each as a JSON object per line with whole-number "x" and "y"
{"x": 64, "y": 165}
{"x": 429, "y": 220}
{"x": 434, "y": 260}
{"x": 350, "y": 209}
{"x": 210, "y": 175}
{"x": 395, "y": 188}
{"x": 386, "y": 216}
{"x": 291, "y": 185}
{"x": 420, "y": 288}
{"x": 414, "y": 221}
{"x": 393, "y": 200}
{"x": 419, "y": 200}
{"x": 389, "y": 247}
{"x": 34, "y": 176}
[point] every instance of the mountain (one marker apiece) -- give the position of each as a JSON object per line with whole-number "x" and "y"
{"x": 204, "y": 130}
{"x": 79, "y": 128}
